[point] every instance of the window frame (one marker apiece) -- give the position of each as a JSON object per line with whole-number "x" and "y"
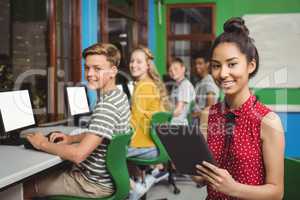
{"x": 189, "y": 37}
{"x": 52, "y": 108}
{"x": 138, "y": 23}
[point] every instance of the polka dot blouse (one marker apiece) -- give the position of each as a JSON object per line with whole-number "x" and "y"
{"x": 239, "y": 150}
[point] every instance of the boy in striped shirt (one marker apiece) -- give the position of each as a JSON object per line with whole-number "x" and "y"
{"x": 88, "y": 176}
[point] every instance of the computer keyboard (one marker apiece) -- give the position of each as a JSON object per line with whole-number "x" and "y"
{"x": 17, "y": 141}
{"x": 12, "y": 139}
{"x": 19, "y": 137}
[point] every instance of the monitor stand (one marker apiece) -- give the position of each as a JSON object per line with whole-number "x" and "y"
{"x": 82, "y": 120}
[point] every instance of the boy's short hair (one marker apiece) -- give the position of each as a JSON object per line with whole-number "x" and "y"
{"x": 203, "y": 54}
{"x": 205, "y": 58}
{"x": 111, "y": 52}
{"x": 177, "y": 60}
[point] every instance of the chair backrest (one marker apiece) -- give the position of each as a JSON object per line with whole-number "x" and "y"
{"x": 163, "y": 157}
{"x": 160, "y": 118}
{"x": 117, "y": 164}
{"x": 189, "y": 115}
{"x": 291, "y": 178}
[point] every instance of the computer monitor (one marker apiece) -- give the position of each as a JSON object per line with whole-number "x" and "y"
{"x": 77, "y": 102}
{"x": 120, "y": 87}
{"x": 126, "y": 88}
{"x": 130, "y": 87}
{"x": 15, "y": 114}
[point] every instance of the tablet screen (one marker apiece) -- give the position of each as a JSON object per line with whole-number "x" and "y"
{"x": 186, "y": 147}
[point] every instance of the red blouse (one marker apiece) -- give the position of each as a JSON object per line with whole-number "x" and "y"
{"x": 244, "y": 157}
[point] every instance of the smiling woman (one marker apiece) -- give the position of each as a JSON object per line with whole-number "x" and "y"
{"x": 245, "y": 163}
{"x": 149, "y": 96}
{"x": 227, "y": 67}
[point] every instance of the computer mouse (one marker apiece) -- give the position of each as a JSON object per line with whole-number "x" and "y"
{"x": 59, "y": 139}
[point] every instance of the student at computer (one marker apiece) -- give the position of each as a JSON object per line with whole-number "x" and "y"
{"x": 149, "y": 96}
{"x": 245, "y": 137}
{"x": 88, "y": 176}
{"x": 182, "y": 94}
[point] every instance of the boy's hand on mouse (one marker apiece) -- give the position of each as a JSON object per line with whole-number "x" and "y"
{"x": 36, "y": 139}
{"x": 59, "y": 137}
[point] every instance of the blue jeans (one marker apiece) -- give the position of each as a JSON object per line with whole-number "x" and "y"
{"x": 144, "y": 153}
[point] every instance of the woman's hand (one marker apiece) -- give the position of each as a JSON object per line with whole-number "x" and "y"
{"x": 59, "y": 137}
{"x": 199, "y": 180}
{"x": 219, "y": 179}
{"x": 36, "y": 139}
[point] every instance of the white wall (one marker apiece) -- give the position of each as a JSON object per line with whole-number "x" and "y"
{"x": 277, "y": 37}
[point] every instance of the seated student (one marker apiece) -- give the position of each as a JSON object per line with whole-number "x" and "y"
{"x": 183, "y": 93}
{"x": 88, "y": 176}
{"x": 207, "y": 92}
{"x": 149, "y": 96}
{"x": 245, "y": 137}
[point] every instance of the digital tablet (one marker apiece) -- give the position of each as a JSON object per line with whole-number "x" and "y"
{"x": 185, "y": 145}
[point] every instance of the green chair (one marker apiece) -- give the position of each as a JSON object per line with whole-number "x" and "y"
{"x": 117, "y": 167}
{"x": 291, "y": 179}
{"x": 163, "y": 157}
{"x": 189, "y": 116}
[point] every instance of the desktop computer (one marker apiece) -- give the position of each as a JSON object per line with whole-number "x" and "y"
{"x": 78, "y": 105}
{"x": 16, "y": 113}
{"x": 127, "y": 89}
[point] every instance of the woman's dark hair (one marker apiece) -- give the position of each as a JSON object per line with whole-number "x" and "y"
{"x": 235, "y": 31}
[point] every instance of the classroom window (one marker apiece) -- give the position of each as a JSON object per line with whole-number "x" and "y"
{"x": 190, "y": 30}
{"x": 23, "y": 49}
{"x": 68, "y": 51}
{"x": 35, "y": 51}
{"x": 124, "y": 23}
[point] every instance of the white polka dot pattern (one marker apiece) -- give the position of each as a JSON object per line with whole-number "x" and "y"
{"x": 245, "y": 158}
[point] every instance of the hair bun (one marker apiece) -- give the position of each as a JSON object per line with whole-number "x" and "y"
{"x": 236, "y": 25}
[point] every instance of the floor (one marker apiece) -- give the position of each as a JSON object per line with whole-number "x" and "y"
{"x": 189, "y": 191}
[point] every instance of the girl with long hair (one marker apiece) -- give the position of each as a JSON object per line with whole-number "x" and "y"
{"x": 149, "y": 96}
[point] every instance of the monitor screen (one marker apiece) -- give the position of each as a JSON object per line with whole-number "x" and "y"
{"x": 130, "y": 87}
{"x": 16, "y": 110}
{"x": 77, "y": 100}
{"x": 120, "y": 87}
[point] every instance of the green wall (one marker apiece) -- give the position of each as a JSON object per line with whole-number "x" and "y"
{"x": 224, "y": 10}
{"x": 279, "y": 96}
{"x": 282, "y": 96}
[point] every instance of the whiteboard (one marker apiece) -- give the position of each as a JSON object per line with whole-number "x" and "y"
{"x": 277, "y": 38}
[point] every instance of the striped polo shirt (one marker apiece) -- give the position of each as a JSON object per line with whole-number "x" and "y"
{"x": 110, "y": 116}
